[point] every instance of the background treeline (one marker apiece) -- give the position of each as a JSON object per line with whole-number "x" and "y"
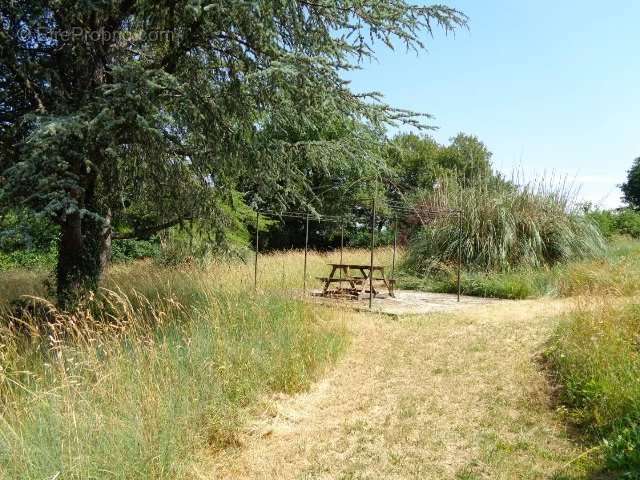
{"x": 406, "y": 168}
{"x": 506, "y": 224}
{"x": 413, "y": 170}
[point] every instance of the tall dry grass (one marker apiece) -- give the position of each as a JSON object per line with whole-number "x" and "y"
{"x": 160, "y": 364}
{"x": 617, "y": 273}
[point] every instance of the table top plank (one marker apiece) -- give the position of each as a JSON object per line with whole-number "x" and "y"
{"x": 352, "y": 265}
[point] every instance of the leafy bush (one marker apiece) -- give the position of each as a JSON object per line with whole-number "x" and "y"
{"x": 128, "y": 249}
{"x": 596, "y": 359}
{"x": 361, "y": 238}
{"x": 503, "y": 228}
{"x": 27, "y": 240}
{"x": 21, "y": 229}
{"x": 41, "y": 259}
{"x": 515, "y": 285}
{"x": 628, "y": 223}
{"x": 617, "y": 222}
{"x": 31, "y": 259}
{"x": 622, "y": 449}
{"x": 604, "y": 220}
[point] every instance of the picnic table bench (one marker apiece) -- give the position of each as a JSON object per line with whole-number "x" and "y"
{"x": 342, "y": 273}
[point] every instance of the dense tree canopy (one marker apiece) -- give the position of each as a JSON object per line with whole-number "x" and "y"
{"x": 399, "y": 170}
{"x": 419, "y": 161}
{"x": 631, "y": 188}
{"x": 139, "y": 114}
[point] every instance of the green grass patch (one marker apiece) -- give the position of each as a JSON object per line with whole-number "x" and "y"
{"x": 616, "y": 272}
{"x": 595, "y": 357}
{"x": 510, "y": 285}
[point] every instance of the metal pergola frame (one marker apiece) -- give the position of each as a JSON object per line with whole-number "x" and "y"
{"x": 396, "y": 208}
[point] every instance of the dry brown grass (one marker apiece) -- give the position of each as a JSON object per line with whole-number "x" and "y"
{"x": 277, "y": 272}
{"x": 444, "y": 396}
{"x": 159, "y": 365}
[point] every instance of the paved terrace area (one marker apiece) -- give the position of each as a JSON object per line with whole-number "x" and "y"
{"x": 408, "y": 302}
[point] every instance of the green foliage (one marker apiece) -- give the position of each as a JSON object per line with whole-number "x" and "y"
{"x": 31, "y": 259}
{"x": 27, "y": 241}
{"x": 594, "y": 356}
{"x": 128, "y": 249}
{"x": 502, "y": 228}
{"x": 617, "y": 273}
{"x": 514, "y": 285}
{"x": 617, "y": 222}
{"x": 418, "y": 162}
{"x": 162, "y": 128}
{"x": 408, "y": 164}
{"x": 631, "y": 188}
{"x": 605, "y": 221}
{"x": 361, "y": 238}
{"x": 468, "y": 157}
{"x": 627, "y": 222}
{"x": 20, "y": 229}
{"x": 339, "y": 188}
{"x": 414, "y": 160}
{"x": 622, "y": 449}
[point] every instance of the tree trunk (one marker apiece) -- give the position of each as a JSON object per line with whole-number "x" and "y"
{"x": 105, "y": 245}
{"x": 69, "y": 268}
{"x": 83, "y": 253}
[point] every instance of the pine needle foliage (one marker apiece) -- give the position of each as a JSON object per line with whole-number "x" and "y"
{"x": 162, "y": 105}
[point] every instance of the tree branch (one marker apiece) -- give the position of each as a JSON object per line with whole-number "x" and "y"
{"x": 148, "y": 231}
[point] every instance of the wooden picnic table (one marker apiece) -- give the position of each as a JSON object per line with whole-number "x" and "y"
{"x": 342, "y": 273}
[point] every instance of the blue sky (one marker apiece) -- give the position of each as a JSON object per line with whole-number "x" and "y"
{"x": 552, "y": 88}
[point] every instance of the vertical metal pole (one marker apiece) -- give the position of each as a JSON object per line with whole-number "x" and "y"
{"x": 341, "y": 239}
{"x": 459, "y": 250}
{"x": 306, "y": 247}
{"x": 341, "y": 246}
{"x": 373, "y": 244}
{"x": 395, "y": 246}
{"x": 255, "y": 262}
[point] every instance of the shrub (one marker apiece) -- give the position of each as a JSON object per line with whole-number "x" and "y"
{"x": 627, "y": 222}
{"x": 128, "y": 249}
{"x": 515, "y": 285}
{"x": 21, "y": 229}
{"x": 361, "y": 238}
{"x": 605, "y": 221}
{"x": 29, "y": 259}
{"x": 617, "y": 222}
{"x": 503, "y": 227}
{"x": 45, "y": 259}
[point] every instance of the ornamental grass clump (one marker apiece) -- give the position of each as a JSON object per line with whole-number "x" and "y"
{"x": 502, "y": 227}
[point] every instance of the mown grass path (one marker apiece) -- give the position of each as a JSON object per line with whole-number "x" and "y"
{"x": 441, "y": 396}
